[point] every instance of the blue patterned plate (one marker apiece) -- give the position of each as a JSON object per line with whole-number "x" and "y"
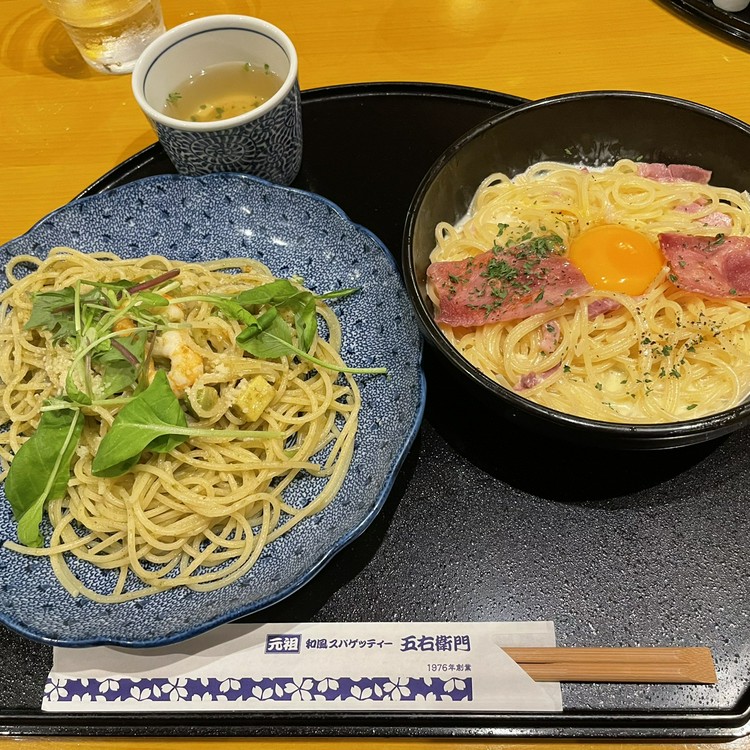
{"x": 294, "y": 233}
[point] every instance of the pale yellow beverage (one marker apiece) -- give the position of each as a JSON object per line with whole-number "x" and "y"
{"x": 110, "y": 34}
{"x": 219, "y": 92}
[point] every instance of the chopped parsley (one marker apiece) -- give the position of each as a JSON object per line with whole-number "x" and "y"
{"x": 500, "y": 294}
{"x": 498, "y": 268}
{"x": 513, "y": 274}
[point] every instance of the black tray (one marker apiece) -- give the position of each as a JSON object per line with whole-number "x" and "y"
{"x": 734, "y": 27}
{"x": 486, "y": 523}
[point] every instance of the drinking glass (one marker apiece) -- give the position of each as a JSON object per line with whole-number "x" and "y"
{"x": 109, "y": 34}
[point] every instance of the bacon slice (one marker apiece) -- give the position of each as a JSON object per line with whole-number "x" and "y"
{"x": 674, "y": 172}
{"x": 716, "y": 219}
{"x": 504, "y": 284}
{"x": 601, "y": 306}
{"x": 692, "y": 208}
{"x": 533, "y": 379}
{"x": 716, "y": 266}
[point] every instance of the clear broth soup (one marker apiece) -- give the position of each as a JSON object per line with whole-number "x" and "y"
{"x": 219, "y": 92}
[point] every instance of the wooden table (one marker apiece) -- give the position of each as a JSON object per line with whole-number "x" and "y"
{"x": 64, "y": 125}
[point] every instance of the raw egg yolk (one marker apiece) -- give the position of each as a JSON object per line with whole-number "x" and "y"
{"x": 616, "y": 259}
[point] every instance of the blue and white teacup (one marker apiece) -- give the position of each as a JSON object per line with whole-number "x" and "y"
{"x": 266, "y": 141}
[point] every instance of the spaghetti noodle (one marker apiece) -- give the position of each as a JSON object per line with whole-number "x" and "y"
{"x": 200, "y": 514}
{"x": 662, "y": 355}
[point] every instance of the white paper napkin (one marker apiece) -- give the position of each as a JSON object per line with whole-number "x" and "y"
{"x": 426, "y": 666}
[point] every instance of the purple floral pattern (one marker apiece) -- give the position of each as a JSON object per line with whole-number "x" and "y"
{"x": 264, "y": 690}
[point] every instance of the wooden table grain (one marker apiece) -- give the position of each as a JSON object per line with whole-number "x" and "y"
{"x": 63, "y": 126}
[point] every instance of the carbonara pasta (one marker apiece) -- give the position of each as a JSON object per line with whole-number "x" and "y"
{"x": 200, "y": 511}
{"x": 660, "y": 353}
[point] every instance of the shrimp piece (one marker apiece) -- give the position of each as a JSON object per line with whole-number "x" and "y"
{"x": 124, "y": 326}
{"x": 186, "y": 364}
{"x": 174, "y": 311}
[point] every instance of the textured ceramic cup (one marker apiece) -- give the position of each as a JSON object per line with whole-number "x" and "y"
{"x": 266, "y": 141}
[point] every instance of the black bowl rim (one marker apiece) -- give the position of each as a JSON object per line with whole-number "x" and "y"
{"x": 650, "y": 435}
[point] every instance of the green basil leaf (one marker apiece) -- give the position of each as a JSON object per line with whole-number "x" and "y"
{"x": 46, "y": 312}
{"x": 150, "y": 299}
{"x": 117, "y": 372}
{"x": 283, "y": 294}
{"x": 144, "y": 423}
{"x": 306, "y": 323}
{"x": 40, "y": 470}
{"x": 274, "y": 293}
{"x": 29, "y": 523}
{"x": 264, "y": 346}
{"x": 234, "y": 311}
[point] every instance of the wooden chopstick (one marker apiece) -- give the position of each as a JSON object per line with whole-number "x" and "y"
{"x": 578, "y": 664}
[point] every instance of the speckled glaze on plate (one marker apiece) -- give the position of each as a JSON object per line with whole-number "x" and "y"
{"x": 294, "y": 233}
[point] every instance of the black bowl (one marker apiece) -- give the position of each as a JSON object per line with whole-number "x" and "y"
{"x": 595, "y": 128}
